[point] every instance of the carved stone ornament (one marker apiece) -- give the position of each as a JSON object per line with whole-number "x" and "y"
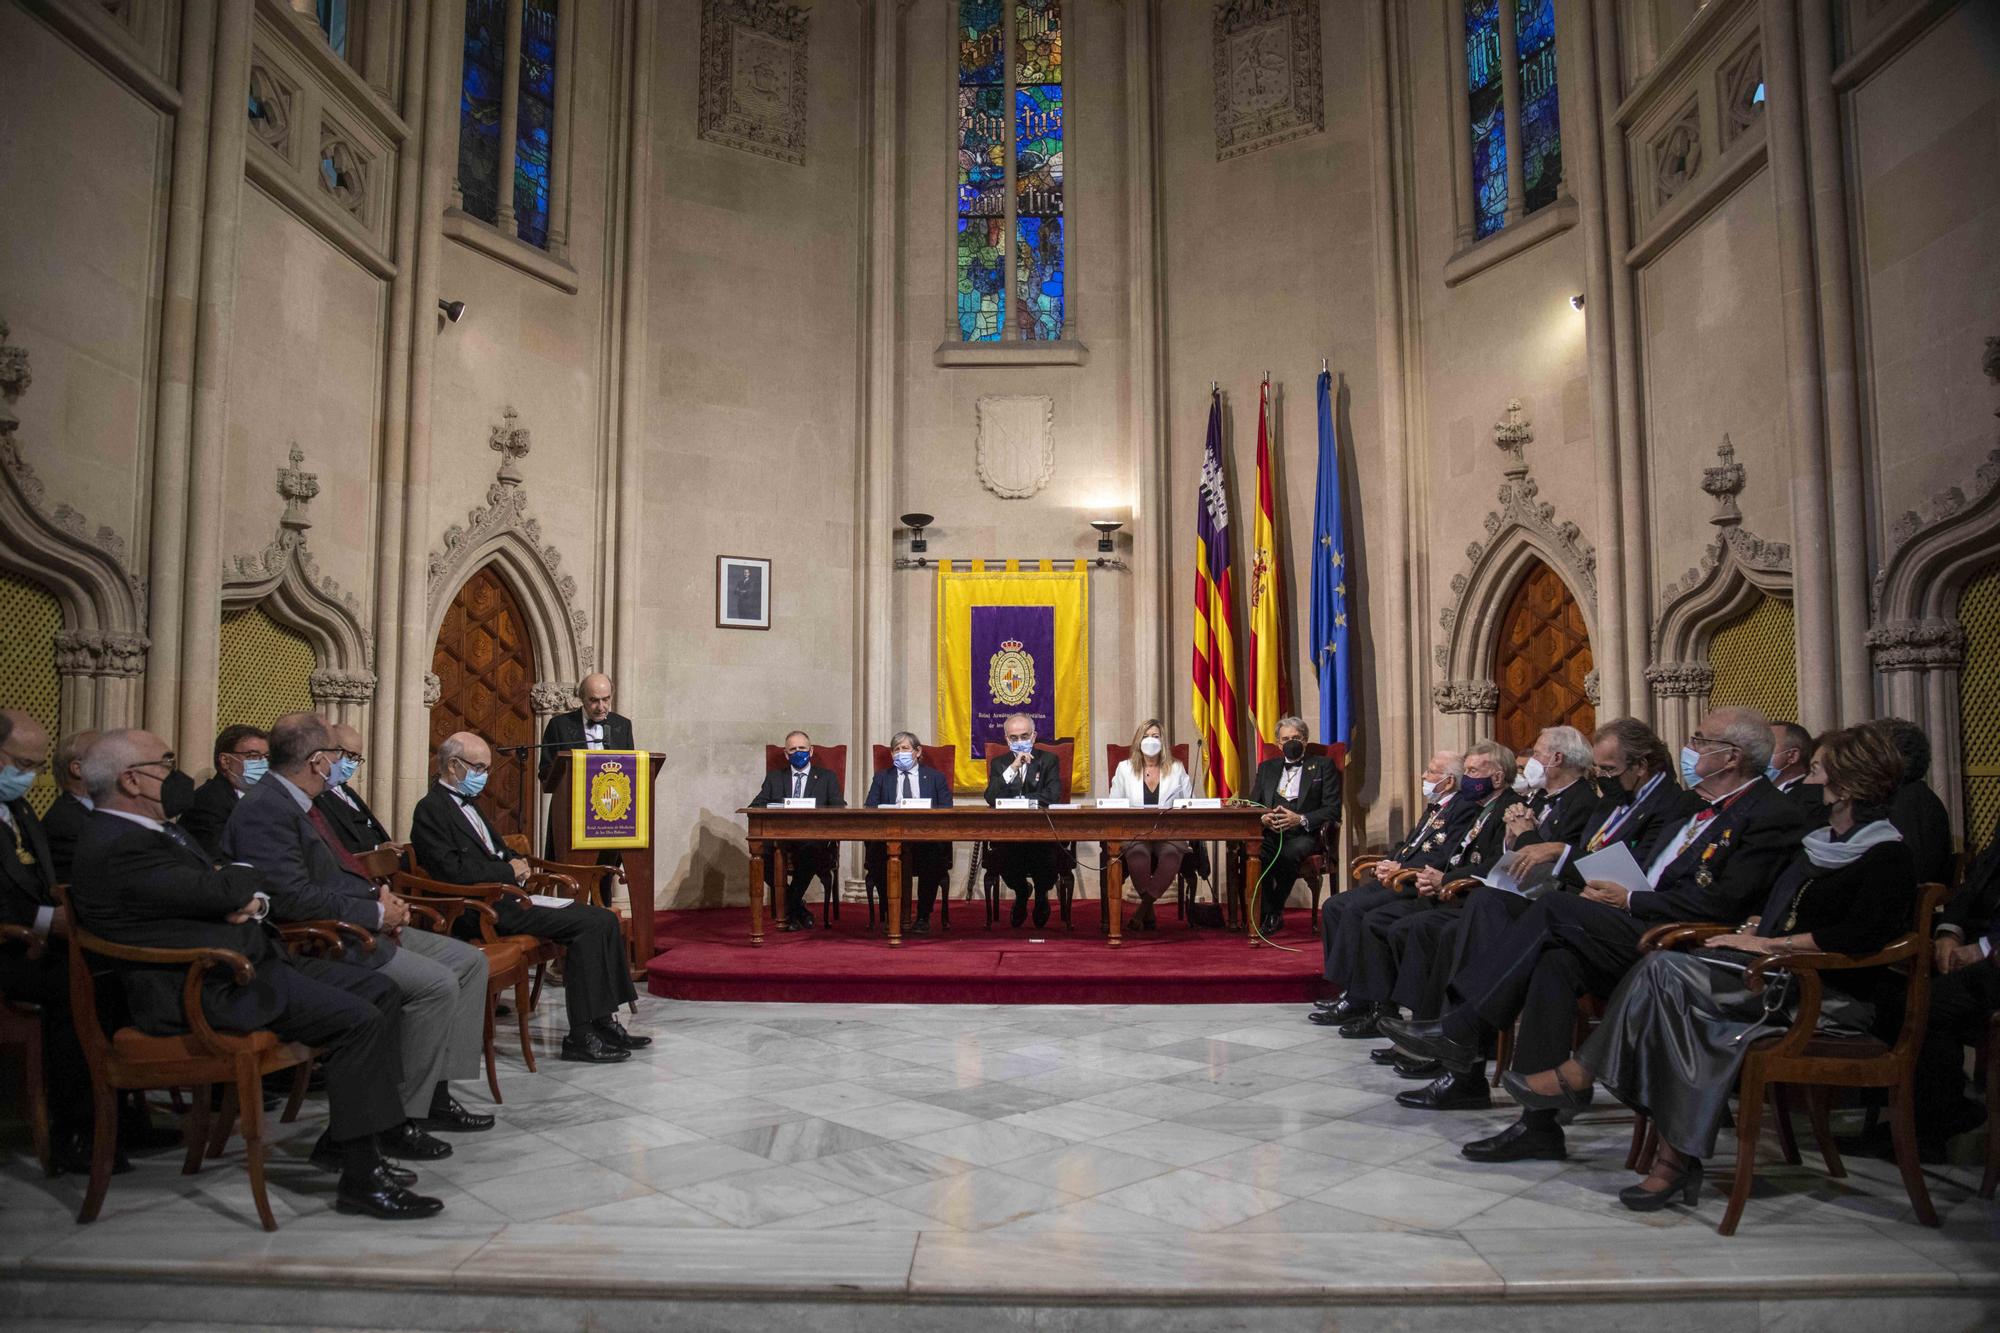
{"x": 511, "y": 441}
{"x": 1677, "y": 156}
{"x": 1750, "y": 551}
{"x": 297, "y": 487}
{"x": 550, "y": 697}
{"x": 753, "y": 77}
{"x": 343, "y": 171}
{"x": 1592, "y": 689}
{"x": 329, "y": 686}
{"x": 271, "y": 109}
{"x": 1512, "y": 435}
{"x": 1466, "y": 696}
{"x": 1724, "y": 482}
{"x": 1680, "y": 679}
{"x": 433, "y": 689}
{"x": 100, "y": 654}
{"x": 1944, "y": 506}
{"x": 1267, "y": 74}
{"x": 14, "y": 379}
{"x": 1918, "y": 645}
{"x": 1741, "y": 92}
{"x": 1015, "y": 450}
{"x": 286, "y": 572}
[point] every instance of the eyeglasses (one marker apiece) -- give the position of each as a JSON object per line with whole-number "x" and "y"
{"x": 1698, "y": 741}
{"x": 471, "y": 767}
{"x": 351, "y": 757}
{"x": 164, "y": 761}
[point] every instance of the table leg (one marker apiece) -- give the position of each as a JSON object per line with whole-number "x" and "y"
{"x": 780, "y": 877}
{"x": 756, "y": 893}
{"x": 895, "y": 888}
{"x": 1114, "y": 891}
{"x": 1252, "y": 871}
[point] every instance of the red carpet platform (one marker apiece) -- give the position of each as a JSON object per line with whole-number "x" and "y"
{"x": 708, "y": 956}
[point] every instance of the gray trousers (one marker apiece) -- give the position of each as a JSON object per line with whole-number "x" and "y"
{"x": 443, "y": 981}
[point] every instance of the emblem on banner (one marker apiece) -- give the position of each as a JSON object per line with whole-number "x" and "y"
{"x": 611, "y": 792}
{"x": 1010, "y": 676}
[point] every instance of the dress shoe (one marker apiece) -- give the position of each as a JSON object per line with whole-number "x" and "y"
{"x": 1019, "y": 916}
{"x": 72, "y": 1150}
{"x": 1386, "y": 1055}
{"x": 586, "y": 1047}
{"x": 1041, "y": 910}
{"x": 1686, "y": 1187}
{"x": 921, "y": 926}
{"x": 376, "y": 1194}
{"x": 1449, "y": 1092}
{"x": 454, "y": 1119}
{"x": 1325, "y": 1018}
{"x": 1565, "y": 1098}
{"x": 1271, "y": 925}
{"x": 1324, "y": 1005}
{"x": 1519, "y": 1142}
{"x": 1422, "y": 1070}
{"x": 1427, "y": 1041}
{"x": 1364, "y": 1027}
{"x": 1345, "y": 1009}
{"x": 411, "y": 1143}
{"x": 327, "y": 1157}
{"x": 614, "y": 1034}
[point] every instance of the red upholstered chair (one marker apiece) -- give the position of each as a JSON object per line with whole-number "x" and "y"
{"x": 1194, "y": 868}
{"x": 1313, "y": 870}
{"x": 943, "y": 758}
{"x": 834, "y": 759}
{"x": 1064, "y": 749}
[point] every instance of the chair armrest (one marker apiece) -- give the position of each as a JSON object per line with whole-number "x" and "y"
{"x": 575, "y": 870}
{"x": 1898, "y": 951}
{"x": 341, "y": 933}
{"x": 1452, "y": 888}
{"x": 416, "y": 886}
{"x": 309, "y": 937}
{"x": 1681, "y": 934}
{"x": 553, "y": 885}
{"x": 197, "y": 961}
{"x": 1404, "y": 881}
{"x": 22, "y": 935}
{"x": 381, "y": 863}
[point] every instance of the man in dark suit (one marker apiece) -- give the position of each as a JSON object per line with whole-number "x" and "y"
{"x": 345, "y": 809}
{"x": 1301, "y": 796}
{"x": 1715, "y": 866}
{"x": 142, "y": 882}
{"x": 64, "y": 823}
{"x": 1791, "y": 761}
{"x": 1915, "y": 809}
{"x": 801, "y": 780}
{"x": 594, "y": 726}
{"x": 907, "y": 778}
{"x": 1027, "y": 774}
{"x": 1964, "y": 995}
{"x": 456, "y": 843}
{"x": 242, "y": 758}
{"x": 309, "y": 876}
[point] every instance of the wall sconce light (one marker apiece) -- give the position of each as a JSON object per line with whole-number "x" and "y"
{"x": 451, "y": 310}
{"x": 916, "y": 523}
{"x": 1576, "y": 302}
{"x": 1105, "y": 527}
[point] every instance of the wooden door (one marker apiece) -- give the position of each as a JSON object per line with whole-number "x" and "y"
{"x": 1544, "y": 659}
{"x": 485, "y": 665}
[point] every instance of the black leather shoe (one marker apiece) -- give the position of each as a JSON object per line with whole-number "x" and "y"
{"x": 1324, "y": 1005}
{"x": 1041, "y": 910}
{"x": 921, "y": 926}
{"x": 614, "y": 1034}
{"x": 376, "y": 1194}
{"x": 1421, "y": 1070}
{"x": 1326, "y": 1018}
{"x": 1019, "y": 916}
{"x": 1345, "y": 1009}
{"x": 455, "y": 1119}
{"x": 328, "y": 1158}
{"x": 1686, "y": 1188}
{"x": 1427, "y": 1041}
{"x": 1271, "y": 925}
{"x": 1519, "y": 1142}
{"x": 1365, "y": 1027}
{"x": 411, "y": 1144}
{"x": 1448, "y": 1092}
{"x": 1386, "y": 1055}
{"x": 1566, "y": 1098}
{"x": 72, "y": 1151}
{"x": 587, "y": 1047}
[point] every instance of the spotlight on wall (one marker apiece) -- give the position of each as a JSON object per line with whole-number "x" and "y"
{"x": 1576, "y": 302}
{"x": 916, "y": 523}
{"x": 452, "y": 310}
{"x": 1105, "y": 527}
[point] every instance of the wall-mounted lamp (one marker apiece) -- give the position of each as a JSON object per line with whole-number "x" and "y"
{"x": 451, "y": 310}
{"x": 916, "y": 523}
{"x": 1105, "y": 527}
{"x": 1576, "y": 302}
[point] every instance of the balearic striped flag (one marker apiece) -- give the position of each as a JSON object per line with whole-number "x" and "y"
{"x": 1214, "y": 623}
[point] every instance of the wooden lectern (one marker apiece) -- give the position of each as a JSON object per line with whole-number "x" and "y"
{"x": 637, "y": 861}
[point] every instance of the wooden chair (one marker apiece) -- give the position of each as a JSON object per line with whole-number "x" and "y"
{"x": 943, "y": 758}
{"x": 1195, "y": 867}
{"x": 21, "y": 1030}
{"x": 833, "y": 758}
{"x": 1064, "y": 749}
{"x": 510, "y": 959}
{"x": 1316, "y": 869}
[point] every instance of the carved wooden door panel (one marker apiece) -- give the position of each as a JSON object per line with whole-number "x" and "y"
{"x": 1543, "y": 663}
{"x": 485, "y": 665}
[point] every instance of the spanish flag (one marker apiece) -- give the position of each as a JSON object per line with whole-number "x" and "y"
{"x": 1270, "y": 693}
{"x": 1214, "y": 623}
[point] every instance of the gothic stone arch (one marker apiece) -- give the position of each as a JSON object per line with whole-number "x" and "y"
{"x": 1735, "y": 572}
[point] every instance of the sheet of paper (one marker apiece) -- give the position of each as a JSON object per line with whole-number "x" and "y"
{"x": 800, "y": 803}
{"x": 914, "y": 803}
{"x": 1506, "y": 876}
{"x": 1617, "y": 865}
{"x": 546, "y": 900}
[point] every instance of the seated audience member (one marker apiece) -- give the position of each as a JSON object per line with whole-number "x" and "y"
{"x": 802, "y": 779}
{"x": 1715, "y": 866}
{"x": 1151, "y": 775}
{"x": 308, "y": 876}
{"x": 1676, "y": 1030}
{"x": 345, "y": 809}
{"x": 242, "y": 758}
{"x": 1301, "y": 796}
{"x": 142, "y": 882}
{"x": 1916, "y": 809}
{"x": 909, "y": 778}
{"x": 1789, "y": 769}
{"x": 70, "y": 811}
{"x": 1965, "y": 992}
{"x": 1025, "y": 773}
{"x": 455, "y": 842}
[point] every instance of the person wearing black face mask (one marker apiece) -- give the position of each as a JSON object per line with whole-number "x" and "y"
{"x": 1301, "y": 794}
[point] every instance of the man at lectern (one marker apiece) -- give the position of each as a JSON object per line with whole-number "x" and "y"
{"x": 592, "y": 727}
{"x": 801, "y": 779}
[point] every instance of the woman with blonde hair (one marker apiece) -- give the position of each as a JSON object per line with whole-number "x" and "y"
{"x": 1152, "y": 776}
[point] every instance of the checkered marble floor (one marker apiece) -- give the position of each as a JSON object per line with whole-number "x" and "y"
{"x": 1099, "y": 1148}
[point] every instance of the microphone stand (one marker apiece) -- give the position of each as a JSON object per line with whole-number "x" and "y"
{"x": 520, "y": 753}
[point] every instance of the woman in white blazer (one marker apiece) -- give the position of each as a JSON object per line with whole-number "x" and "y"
{"x": 1151, "y": 776}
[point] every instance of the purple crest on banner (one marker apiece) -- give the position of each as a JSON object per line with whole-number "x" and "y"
{"x": 1013, "y": 666}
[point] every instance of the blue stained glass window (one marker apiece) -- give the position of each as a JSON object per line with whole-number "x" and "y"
{"x": 982, "y": 49}
{"x": 479, "y": 107}
{"x": 479, "y": 126}
{"x": 982, "y": 152}
{"x": 1038, "y": 264}
{"x": 1541, "y": 122}
{"x": 1009, "y": 244}
{"x": 982, "y": 257}
{"x": 332, "y": 16}
{"x": 535, "y": 120}
{"x": 1038, "y": 207}
{"x": 1488, "y": 113}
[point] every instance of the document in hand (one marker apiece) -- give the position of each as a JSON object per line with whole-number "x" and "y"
{"x": 549, "y": 900}
{"x": 1617, "y": 865}
{"x": 1506, "y": 878}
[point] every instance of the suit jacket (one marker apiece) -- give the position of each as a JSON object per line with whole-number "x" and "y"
{"x": 355, "y": 825}
{"x": 214, "y": 802}
{"x": 446, "y": 846}
{"x": 134, "y": 886}
{"x": 1433, "y": 830}
{"x": 1561, "y": 817}
{"x": 298, "y": 869}
{"x": 1667, "y": 804}
{"x": 1920, "y": 817}
{"x": 821, "y": 786}
{"x": 1319, "y": 790}
{"x": 566, "y": 730}
{"x": 1482, "y": 841}
{"x": 1726, "y": 871}
{"x": 1042, "y": 782}
{"x": 883, "y": 790}
{"x": 1127, "y": 781}
{"x": 1973, "y": 912}
{"x": 1809, "y": 797}
{"x": 64, "y": 824}
{"x": 26, "y": 886}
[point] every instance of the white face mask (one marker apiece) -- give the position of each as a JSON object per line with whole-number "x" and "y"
{"x": 1431, "y": 789}
{"x": 1533, "y": 776}
{"x": 1150, "y": 747}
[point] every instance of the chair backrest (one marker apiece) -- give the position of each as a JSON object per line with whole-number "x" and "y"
{"x": 943, "y": 758}
{"x": 1266, "y": 750}
{"x": 1917, "y": 1001}
{"x": 1064, "y": 750}
{"x": 833, "y": 758}
{"x": 83, "y": 987}
{"x": 1116, "y": 754}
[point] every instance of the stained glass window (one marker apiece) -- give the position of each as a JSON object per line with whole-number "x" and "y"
{"x": 535, "y": 120}
{"x": 332, "y": 16}
{"x": 479, "y": 112}
{"x": 1010, "y": 170}
{"x": 479, "y": 107}
{"x": 1541, "y": 130}
{"x": 1489, "y": 115}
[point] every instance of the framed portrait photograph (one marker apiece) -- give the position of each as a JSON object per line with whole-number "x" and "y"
{"x": 742, "y": 592}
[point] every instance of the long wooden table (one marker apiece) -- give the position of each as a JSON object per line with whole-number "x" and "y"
{"x": 774, "y": 826}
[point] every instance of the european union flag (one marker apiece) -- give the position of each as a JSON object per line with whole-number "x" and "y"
{"x": 1329, "y": 588}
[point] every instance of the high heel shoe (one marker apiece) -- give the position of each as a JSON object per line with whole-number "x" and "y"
{"x": 1565, "y": 1098}
{"x": 1642, "y": 1200}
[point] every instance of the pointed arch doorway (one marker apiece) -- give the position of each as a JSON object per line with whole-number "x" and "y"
{"x": 1542, "y": 662}
{"x": 485, "y": 665}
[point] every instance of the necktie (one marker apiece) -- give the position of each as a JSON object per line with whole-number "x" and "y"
{"x": 907, "y": 793}
{"x": 348, "y": 861}
{"x": 798, "y": 786}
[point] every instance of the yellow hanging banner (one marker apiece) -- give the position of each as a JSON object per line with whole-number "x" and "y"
{"x": 1012, "y": 643}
